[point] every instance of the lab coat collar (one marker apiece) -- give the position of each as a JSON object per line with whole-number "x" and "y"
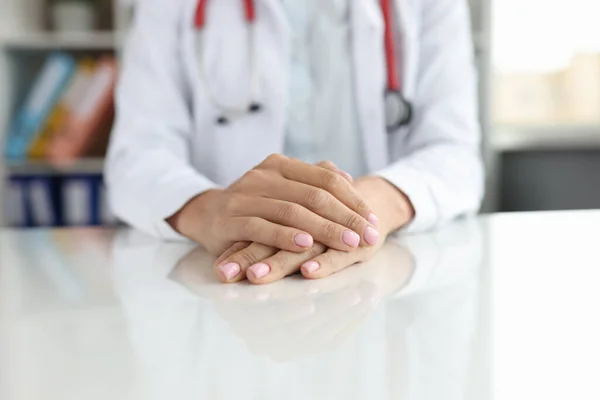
{"x": 369, "y": 65}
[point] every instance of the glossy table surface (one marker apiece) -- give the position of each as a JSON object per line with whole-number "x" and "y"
{"x": 503, "y": 307}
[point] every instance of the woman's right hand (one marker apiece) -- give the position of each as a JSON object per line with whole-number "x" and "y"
{"x": 283, "y": 203}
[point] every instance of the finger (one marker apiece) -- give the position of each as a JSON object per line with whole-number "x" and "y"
{"x": 233, "y": 249}
{"x": 281, "y": 264}
{"x": 325, "y": 179}
{"x": 259, "y": 230}
{"x": 323, "y": 230}
{"x": 233, "y": 268}
{"x": 332, "y": 167}
{"x": 329, "y": 263}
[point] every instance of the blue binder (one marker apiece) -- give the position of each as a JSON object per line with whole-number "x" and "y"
{"x": 81, "y": 200}
{"x": 42, "y": 201}
{"x": 15, "y": 203}
{"x": 45, "y": 93}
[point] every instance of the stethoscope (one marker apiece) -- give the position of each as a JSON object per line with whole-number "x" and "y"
{"x": 398, "y": 110}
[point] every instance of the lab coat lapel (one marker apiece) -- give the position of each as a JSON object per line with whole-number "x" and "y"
{"x": 369, "y": 68}
{"x": 406, "y": 11}
{"x": 273, "y": 51}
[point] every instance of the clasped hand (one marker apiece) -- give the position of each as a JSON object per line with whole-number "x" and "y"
{"x": 285, "y": 215}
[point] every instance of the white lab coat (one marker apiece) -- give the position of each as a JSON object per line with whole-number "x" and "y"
{"x": 166, "y": 147}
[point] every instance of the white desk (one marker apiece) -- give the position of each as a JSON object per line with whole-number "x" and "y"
{"x": 502, "y": 308}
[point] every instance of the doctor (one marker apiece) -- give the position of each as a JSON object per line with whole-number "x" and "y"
{"x": 225, "y": 109}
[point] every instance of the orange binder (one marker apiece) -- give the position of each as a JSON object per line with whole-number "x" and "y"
{"x": 87, "y": 128}
{"x": 71, "y": 97}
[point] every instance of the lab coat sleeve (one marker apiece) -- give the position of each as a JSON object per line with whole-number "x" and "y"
{"x": 440, "y": 167}
{"x": 148, "y": 172}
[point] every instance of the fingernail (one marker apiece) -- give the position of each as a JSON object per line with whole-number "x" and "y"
{"x": 371, "y": 235}
{"x": 303, "y": 240}
{"x": 351, "y": 238}
{"x": 260, "y": 270}
{"x": 310, "y": 266}
{"x": 345, "y": 175}
{"x": 373, "y": 220}
{"x": 230, "y": 270}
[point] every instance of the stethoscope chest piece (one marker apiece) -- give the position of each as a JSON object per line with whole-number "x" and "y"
{"x": 398, "y": 111}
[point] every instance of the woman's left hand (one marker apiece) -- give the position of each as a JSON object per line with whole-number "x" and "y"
{"x": 262, "y": 264}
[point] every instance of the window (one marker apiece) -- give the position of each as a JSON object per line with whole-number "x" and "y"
{"x": 546, "y": 60}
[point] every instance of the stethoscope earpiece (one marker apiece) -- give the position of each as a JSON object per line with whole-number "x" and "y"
{"x": 252, "y": 108}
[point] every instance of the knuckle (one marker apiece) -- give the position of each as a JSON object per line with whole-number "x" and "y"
{"x": 246, "y": 257}
{"x": 318, "y": 198}
{"x": 278, "y": 236}
{"x": 288, "y": 212}
{"x": 254, "y": 175}
{"x": 274, "y": 158}
{"x": 329, "y": 164}
{"x": 353, "y": 221}
{"x": 332, "y": 181}
{"x": 326, "y": 259}
{"x": 361, "y": 206}
{"x": 330, "y": 232}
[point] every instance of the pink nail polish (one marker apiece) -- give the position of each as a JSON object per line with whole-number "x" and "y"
{"x": 260, "y": 270}
{"x": 371, "y": 235}
{"x": 373, "y": 220}
{"x": 351, "y": 238}
{"x": 303, "y": 240}
{"x": 310, "y": 266}
{"x": 230, "y": 270}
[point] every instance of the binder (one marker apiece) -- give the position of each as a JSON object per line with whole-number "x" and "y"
{"x": 64, "y": 108}
{"x": 15, "y": 203}
{"x": 43, "y": 201}
{"x": 76, "y": 201}
{"x": 40, "y": 101}
{"x": 87, "y": 128}
{"x": 81, "y": 200}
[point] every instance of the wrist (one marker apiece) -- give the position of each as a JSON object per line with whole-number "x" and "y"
{"x": 393, "y": 207}
{"x": 192, "y": 219}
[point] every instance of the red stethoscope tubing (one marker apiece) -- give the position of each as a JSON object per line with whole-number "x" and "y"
{"x": 393, "y": 82}
{"x": 200, "y": 18}
{"x": 390, "y": 47}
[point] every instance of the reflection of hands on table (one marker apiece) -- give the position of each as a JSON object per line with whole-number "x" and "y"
{"x": 293, "y": 317}
{"x": 261, "y": 264}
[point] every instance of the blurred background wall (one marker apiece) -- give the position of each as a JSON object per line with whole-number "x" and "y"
{"x": 538, "y": 62}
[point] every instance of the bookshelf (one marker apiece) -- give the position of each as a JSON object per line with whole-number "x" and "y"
{"x": 41, "y": 41}
{"x": 40, "y": 167}
{"x": 22, "y": 50}
{"x": 21, "y": 53}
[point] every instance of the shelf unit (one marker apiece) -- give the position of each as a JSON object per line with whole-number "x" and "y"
{"x": 21, "y": 52}
{"x": 41, "y": 167}
{"x": 61, "y": 41}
